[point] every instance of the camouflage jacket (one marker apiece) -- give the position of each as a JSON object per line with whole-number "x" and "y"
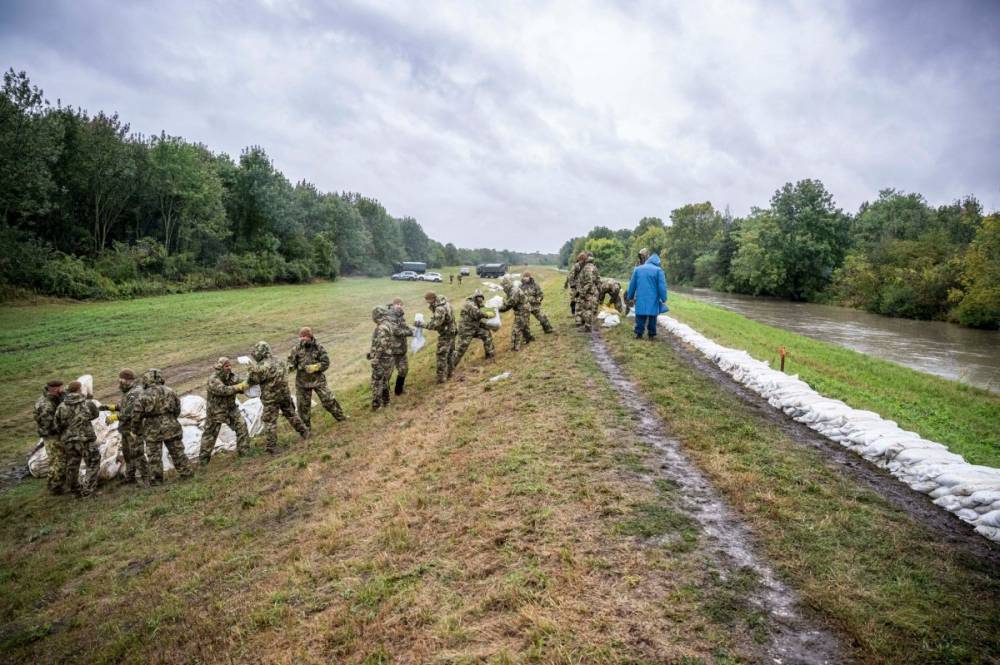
{"x": 156, "y": 412}
{"x": 533, "y": 292}
{"x": 221, "y": 394}
{"x": 588, "y": 283}
{"x": 610, "y": 286}
{"x": 270, "y": 374}
{"x": 303, "y": 355}
{"x": 573, "y": 277}
{"x": 400, "y": 331}
{"x": 126, "y": 408}
{"x": 471, "y": 318}
{"x": 45, "y": 414}
{"x": 442, "y": 318}
{"x": 515, "y": 300}
{"x": 74, "y": 419}
{"x": 382, "y": 342}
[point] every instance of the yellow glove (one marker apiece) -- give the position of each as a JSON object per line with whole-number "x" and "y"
{"x": 112, "y": 407}
{"x": 112, "y": 418}
{"x": 242, "y": 387}
{"x": 312, "y": 369}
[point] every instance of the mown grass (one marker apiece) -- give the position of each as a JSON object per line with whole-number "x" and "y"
{"x": 965, "y": 418}
{"x": 183, "y": 334}
{"x": 474, "y": 522}
{"x": 900, "y": 592}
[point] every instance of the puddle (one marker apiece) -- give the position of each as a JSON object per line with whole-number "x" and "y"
{"x": 792, "y": 638}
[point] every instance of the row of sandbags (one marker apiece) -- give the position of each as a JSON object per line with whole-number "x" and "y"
{"x": 970, "y": 491}
{"x": 192, "y": 420}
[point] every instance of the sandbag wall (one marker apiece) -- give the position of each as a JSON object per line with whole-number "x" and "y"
{"x": 970, "y": 491}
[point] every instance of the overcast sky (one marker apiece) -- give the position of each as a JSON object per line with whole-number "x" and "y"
{"x": 519, "y": 125}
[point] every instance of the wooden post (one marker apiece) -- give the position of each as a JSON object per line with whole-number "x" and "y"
{"x": 782, "y": 353}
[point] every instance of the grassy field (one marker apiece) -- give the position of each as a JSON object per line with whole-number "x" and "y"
{"x": 508, "y": 522}
{"x": 964, "y": 418}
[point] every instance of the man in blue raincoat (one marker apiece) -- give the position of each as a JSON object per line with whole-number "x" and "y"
{"x": 648, "y": 289}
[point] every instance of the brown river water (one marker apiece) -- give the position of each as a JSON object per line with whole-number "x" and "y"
{"x": 944, "y": 349}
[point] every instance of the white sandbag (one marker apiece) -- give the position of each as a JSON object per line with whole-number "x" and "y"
{"x": 38, "y": 460}
{"x": 418, "y": 340}
{"x": 87, "y": 386}
{"x": 603, "y": 314}
{"x": 611, "y": 320}
{"x": 193, "y": 410}
{"x": 494, "y": 303}
{"x": 989, "y": 519}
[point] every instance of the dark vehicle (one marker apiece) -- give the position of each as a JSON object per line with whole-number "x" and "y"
{"x": 418, "y": 267}
{"x": 491, "y": 269}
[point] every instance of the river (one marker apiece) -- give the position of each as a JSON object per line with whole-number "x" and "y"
{"x": 945, "y": 349}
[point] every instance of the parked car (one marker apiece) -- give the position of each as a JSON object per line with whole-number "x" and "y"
{"x": 406, "y": 276}
{"x": 464, "y": 272}
{"x": 430, "y": 277}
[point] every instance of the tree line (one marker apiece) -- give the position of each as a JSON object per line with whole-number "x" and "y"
{"x": 89, "y": 209}
{"x": 897, "y": 256}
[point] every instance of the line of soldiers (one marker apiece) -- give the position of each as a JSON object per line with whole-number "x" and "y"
{"x": 147, "y": 412}
{"x": 388, "y": 346}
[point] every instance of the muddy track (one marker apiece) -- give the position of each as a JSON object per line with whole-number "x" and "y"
{"x": 792, "y": 637}
{"x": 945, "y": 525}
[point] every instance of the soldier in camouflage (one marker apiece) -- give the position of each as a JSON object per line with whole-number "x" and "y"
{"x": 45, "y": 419}
{"x": 514, "y": 299}
{"x": 572, "y": 282}
{"x": 310, "y": 361}
{"x": 270, "y": 373}
{"x": 223, "y": 408}
{"x": 74, "y": 420}
{"x": 381, "y": 356}
{"x": 533, "y": 292}
{"x": 155, "y": 416}
{"x": 471, "y": 326}
{"x": 588, "y": 286}
{"x": 612, "y": 290}
{"x": 400, "y": 331}
{"x": 443, "y": 323}
{"x": 124, "y": 413}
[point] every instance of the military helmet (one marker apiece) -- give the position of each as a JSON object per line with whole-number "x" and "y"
{"x": 581, "y": 257}
{"x": 222, "y": 362}
{"x": 260, "y": 350}
{"x": 152, "y": 377}
{"x": 526, "y": 276}
{"x": 379, "y": 313}
{"x": 478, "y": 294}
{"x": 644, "y": 253}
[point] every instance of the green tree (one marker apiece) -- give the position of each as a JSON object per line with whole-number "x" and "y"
{"x": 693, "y": 228}
{"x": 609, "y": 254}
{"x": 980, "y": 304}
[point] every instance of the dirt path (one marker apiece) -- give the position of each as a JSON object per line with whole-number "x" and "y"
{"x": 792, "y": 638}
{"x": 920, "y": 506}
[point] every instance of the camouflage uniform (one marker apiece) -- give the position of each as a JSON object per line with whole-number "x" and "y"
{"x": 381, "y": 357}
{"x": 270, "y": 374}
{"x": 301, "y": 356}
{"x": 572, "y": 281}
{"x": 74, "y": 419}
{"x": 45, "y": 414}
{"x": 400, "y": 331}
{"x": 443, "y": 323}
{"x": 155, "y": 415}
{"x": 223, "y": 408}
{"x": 612, "y": 289}
{"x": 533, "y": 292}
{"x": 514, "y": 299}
{"x": 588, "y": 286}
{"x": 135, "y": 458}
{"x": 471, "y": 327}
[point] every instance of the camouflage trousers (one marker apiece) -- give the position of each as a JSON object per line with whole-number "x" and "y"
{"x": 445, "y": 349}
{"x": 614, "y": 297}
{"x": 135, "y": 458}
{"x": 401, "y": 365}
{"x": 272, "y": 409}
{"x": 520, "y": 332}
{"x": 85, "y": 451}
{"x": 214, "y": 422}
{"x": 381, "y": 369}
{"x": 303, "y": 397}
{"x": 542, "y": 319}
{"x": 154, "y": 455}
{"x": 586, "y": 308}
{"x": 56, "y": 453}
{"x": 465, "y": 339}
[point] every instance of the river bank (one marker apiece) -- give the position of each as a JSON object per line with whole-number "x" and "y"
{"x": 947, "y": 350}
{"x": 965, "y": 418}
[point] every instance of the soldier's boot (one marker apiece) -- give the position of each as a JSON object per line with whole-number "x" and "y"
{"x": 400, "y": 382}
{"x": 385, "y": 394}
